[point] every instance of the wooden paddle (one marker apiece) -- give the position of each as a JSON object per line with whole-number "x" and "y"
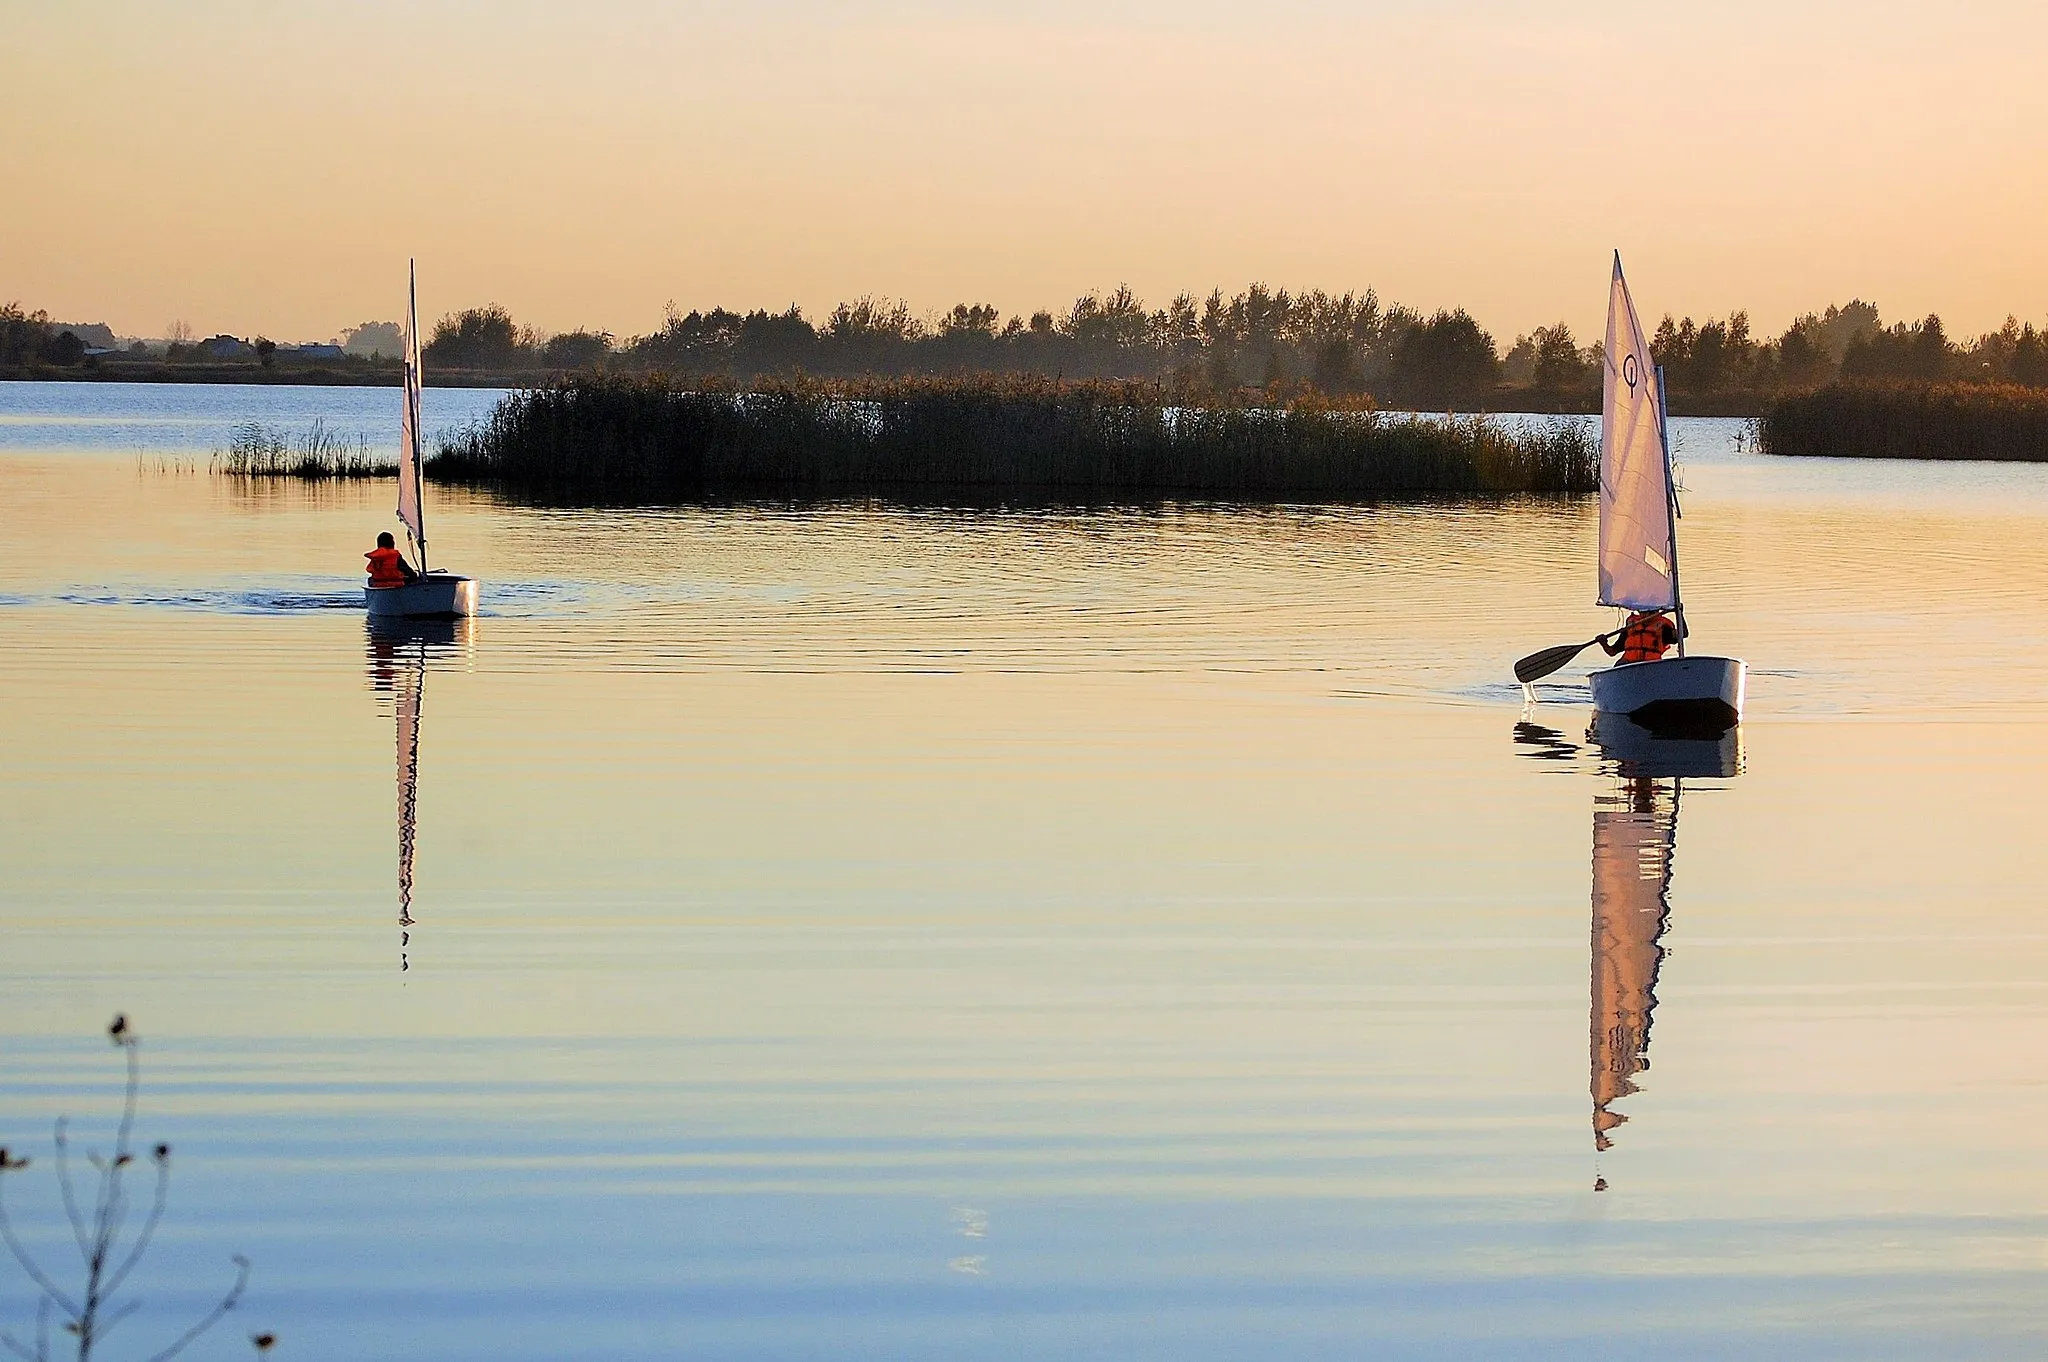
{"x": 1536, "y": 666}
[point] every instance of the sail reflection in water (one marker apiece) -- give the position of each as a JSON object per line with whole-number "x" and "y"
{"x": 1635, "y": 841}
{"x": 398, "y": 653}
{"x": 1634, "y": 829}
{"x": 1635, "y": 838}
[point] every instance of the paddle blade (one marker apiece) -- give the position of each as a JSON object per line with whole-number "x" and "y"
{"x": 1536, "y": 666}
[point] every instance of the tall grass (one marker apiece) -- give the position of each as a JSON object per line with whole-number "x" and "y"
{"x": 259, "y": 451}
{"x": 1909, "y": 421}
{"x": 615, "y": 437}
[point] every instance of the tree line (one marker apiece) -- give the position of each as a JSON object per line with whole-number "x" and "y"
{"x": 30, "y": 338}
{"x": 1337, "y": 344}
{"x": 1340, "y": 344}
{"x": 1346, "y": 345}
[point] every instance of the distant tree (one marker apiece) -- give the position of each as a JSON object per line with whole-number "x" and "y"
{"x": 868, "y": 318}
{"x": 1919, "y": 352}
{"x": 22, "y": 334}
{"x": 1803, "y": 360}
{"x": 1177, "y": 327}
{"x": 64, "y": 349}
{"x": 576, "y": 349}
{"x": 870, "y": 335}
{"x": 1558, "y": 366}
{"x": 1334, "y": 366}
{"x": 1444, "y": 362}
{"x": 1339, "y": 341}
{"x": 964, "y": 320}
{"x": 1118, "y": 322}
{"x": 1814, "y": 346}
{"x": 2028, "y": 363}
{"x": 774, "y": 342}
{"x": 1518, "y": 365}
{"x": 477, "y": 338}
{"x": 266, "y": 351}
{"x": 965, "y": 340}
{"x": 374, "y": 340}
{"x": 1989, "y": 358}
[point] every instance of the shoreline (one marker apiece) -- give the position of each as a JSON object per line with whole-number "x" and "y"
{"x": 1510, "y": 400}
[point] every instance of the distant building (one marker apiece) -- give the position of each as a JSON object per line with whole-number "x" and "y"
{"x": 319, "y": 353}
{"x": 226, "y": 347}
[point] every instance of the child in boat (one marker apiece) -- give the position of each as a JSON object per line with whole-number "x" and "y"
{"x": 388, "y": 567}
{"x": 1645, "y": 638}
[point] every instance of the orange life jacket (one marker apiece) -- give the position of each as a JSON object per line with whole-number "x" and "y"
{"x": 385, "y": 569}
{"x": 1646, "y": 637}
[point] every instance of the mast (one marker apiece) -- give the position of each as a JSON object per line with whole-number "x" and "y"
{"x": 412, "y": 404}
{"x": 1670, "y": 503}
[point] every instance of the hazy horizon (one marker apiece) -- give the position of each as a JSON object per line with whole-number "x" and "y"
{"x": 254, "y": 171}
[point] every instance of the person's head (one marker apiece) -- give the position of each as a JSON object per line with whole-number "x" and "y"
{"x": 384, "y": 541}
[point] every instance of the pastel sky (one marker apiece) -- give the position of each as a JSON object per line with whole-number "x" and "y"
{"x": 268, "y": 168}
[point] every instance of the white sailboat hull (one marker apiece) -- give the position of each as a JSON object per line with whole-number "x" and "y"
{"x": 1675, "y": 692}
{"x": 435, "y": 595}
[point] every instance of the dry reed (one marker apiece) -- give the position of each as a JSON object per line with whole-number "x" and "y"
{"x": 1909, "y": 421}
{"x": 616, "y": 437}
{"x": 259, "y": 451}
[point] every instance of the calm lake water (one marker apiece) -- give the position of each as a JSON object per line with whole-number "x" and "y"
{"x": 866, "y": 933}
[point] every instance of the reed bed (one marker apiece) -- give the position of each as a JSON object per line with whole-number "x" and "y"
{"x": 315, "y": 453}
{"x": 1909, "y": 421}
{"x": 611, "y": 438}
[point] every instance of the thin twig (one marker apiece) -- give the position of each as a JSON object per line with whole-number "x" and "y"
{"x": 227, "y": 1303}
{"x": 132, "y": 1098}
{"x": 28, "y": 1264}
{"x": 64, "y": 1182}
{"x": 156, "y": 1215}
{"x": 101, "y": 1330}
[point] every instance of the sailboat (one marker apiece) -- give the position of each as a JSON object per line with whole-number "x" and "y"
{"x": 434, "y": 594}
{"x": 1639, "y": 540}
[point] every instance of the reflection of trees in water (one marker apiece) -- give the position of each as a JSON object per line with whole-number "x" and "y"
{"x": 398, "y": 655}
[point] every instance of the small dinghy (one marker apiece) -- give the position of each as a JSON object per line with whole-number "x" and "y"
{"x": 1639, "y": 542}
{"x": 435, "y": 594}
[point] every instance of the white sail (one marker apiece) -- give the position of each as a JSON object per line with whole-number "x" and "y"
{"x": 409, "y": 453}
{"x": 1638, "y": 563}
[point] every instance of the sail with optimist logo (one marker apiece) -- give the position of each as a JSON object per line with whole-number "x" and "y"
{"x": 410, "y": 456}
{"x": 1638, "y": 509}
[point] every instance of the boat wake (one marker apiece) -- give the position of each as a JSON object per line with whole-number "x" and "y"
{"x": 259, "y": 600}
{"x": 312, "y": 595}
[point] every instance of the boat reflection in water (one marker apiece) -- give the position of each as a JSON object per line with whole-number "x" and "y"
{"x": 399, "y": 650}
{"x": 1635, "y": 840}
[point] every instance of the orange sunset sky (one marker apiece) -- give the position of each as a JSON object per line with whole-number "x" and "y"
{"x": 268, "y": 168}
